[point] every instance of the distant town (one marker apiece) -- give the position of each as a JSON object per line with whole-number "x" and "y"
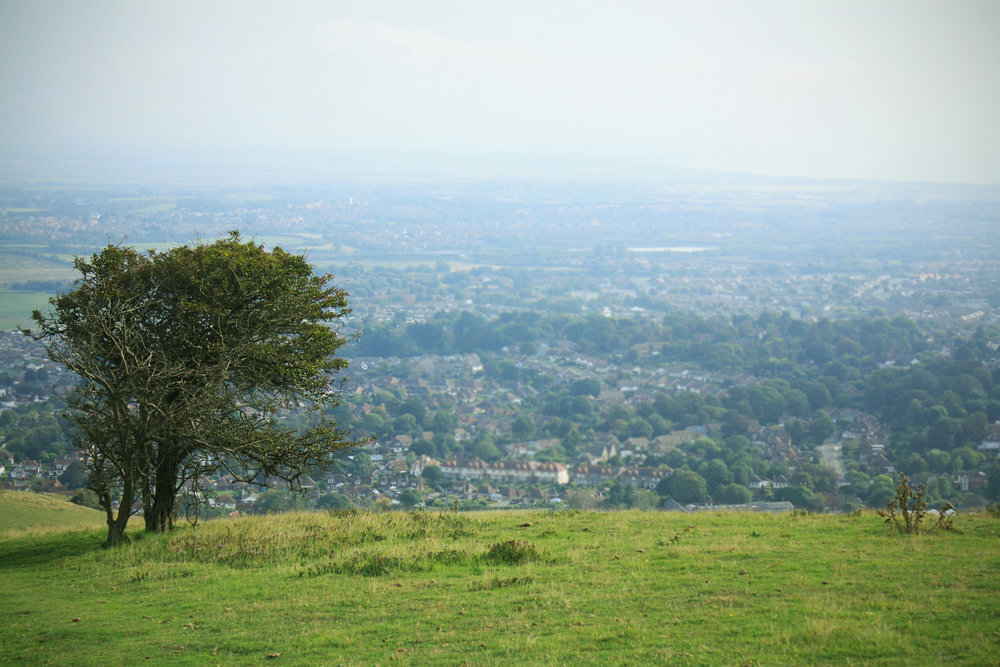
{"x": 703, "y": 343}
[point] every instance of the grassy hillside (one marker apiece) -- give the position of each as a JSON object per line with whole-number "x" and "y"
{"x": 542, "y": 588}
{"x": 40, "y": 512}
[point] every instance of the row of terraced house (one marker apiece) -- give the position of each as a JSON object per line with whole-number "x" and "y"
{"x": 513, "y": 472}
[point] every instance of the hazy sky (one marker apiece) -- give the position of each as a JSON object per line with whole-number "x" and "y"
{"x": 906, "y": 90}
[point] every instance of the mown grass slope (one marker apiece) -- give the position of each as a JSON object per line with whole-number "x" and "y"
{"x": 515, "y": 587}
{"x": 39, "y": 512}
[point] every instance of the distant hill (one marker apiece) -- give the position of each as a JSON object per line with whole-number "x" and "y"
{"x": 23, "y": 511}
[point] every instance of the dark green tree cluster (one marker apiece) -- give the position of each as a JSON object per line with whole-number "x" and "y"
{"x": 35, "y": 431}
{"x": 939, "y": 410}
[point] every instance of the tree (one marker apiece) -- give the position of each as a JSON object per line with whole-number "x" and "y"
{"x": 938, "y": 460}
{"x": 486, "y": 450}
{"x": 716, "y": 473}
{"x": 279, "y": 500}
{"x": 881, "y": 491}
{"x": 432, "y": 475}
{"x": 639, "y": 428}
{"x": 821, "y": 427}
{"x": 333, "y": 501}
{"x": 523, "y": 426}
{"x": 736, "y": 444}
{"x": 75, "y": 476}
{"x": 185, "y": 358}
{"x": 405, "y": 423}
{"x": 86, "y": 498}
{"x": 768, "y": 403}
{"x": 415, "y": 407}
{"x": 688, "y": 487}
{"x": 993, "y": 482}
{"x": 409, "y": 497}
{"x": 444, "y": 422}
{"x": 733, "y": 494}
{"x": 620, "y": 495}
{"x": 586, "y": 387}
{"x": 802, "y": 497}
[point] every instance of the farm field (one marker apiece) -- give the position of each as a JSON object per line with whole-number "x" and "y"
{"x": 16, "y": 308}
{"x": 489, "y": 588}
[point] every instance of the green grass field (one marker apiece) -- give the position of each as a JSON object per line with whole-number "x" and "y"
{"x": 16, "y": 308}
{"x": 561, "y": 587}
{"x": 22, "y": 513}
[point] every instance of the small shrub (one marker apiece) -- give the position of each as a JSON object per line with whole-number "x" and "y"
{"x": 908, "y": 509}
{"x": 512, "y": 552}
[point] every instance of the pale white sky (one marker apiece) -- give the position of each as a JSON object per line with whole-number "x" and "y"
{"x": 902, "y": 90}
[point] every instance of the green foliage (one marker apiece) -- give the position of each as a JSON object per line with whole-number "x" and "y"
{"x": 620, "y": 496}
{"x": 880, "y": 491}
{"x": 801, "y": 497}
{"x": 333, "y": 502}
{"x": 75, "y": 476}
{"x": 716, "y": 473}
{"x": 86, "y": 498}
{"x": 33, "y": 432}
{"x": 431, "y": 474}
{"x": 486, "y": 450}
{"x": 279, "y": 500}
{"x": 586, "y": 387}
{"x": 732, "y": 494}
{"x": 993, "y": 482}
{"x": 409, "y": 497}
{"x": 184, "y": 358}
{"x": 687, "y": 486}
{"x": 821, "y": 427}
{"x": 523, "y": 426}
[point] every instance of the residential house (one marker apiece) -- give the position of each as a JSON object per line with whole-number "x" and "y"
{"x": 636, "y": 444}
{"x": 594, "y": 475}
{"x": 603, "y": 447}
{"x": 511, "y": 472}
{"x": 664, "y": 443}
{"x": 643, "y": 478}
{"x": 991, "y": 444}
{"x": 31, "y": 468}
{"x": 54, "y": 486}
{"x": 974, "y": 481}
{"x": 418, "y": 466}
{"x": 61, "y": 464}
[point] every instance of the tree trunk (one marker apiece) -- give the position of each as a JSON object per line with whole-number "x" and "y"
{"x": 160, "y": 517}
{"x": 116, "y": 529}
{"x": 116, "y": 525}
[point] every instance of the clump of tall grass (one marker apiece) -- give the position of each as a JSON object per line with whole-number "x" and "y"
{"x": 511, "y": 552}
{"x": 302, "y": 537}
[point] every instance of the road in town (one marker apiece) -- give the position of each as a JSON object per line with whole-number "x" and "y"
{"x": 830, "y": 450}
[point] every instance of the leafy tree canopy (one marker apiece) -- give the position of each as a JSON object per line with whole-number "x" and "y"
{"x": 185, "y": 358}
